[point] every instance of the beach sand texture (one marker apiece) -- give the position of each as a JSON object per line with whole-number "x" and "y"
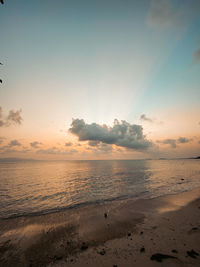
{"x": 163, "y": 231}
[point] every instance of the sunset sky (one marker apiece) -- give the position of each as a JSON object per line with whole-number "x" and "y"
{"x": 95, "y": 79}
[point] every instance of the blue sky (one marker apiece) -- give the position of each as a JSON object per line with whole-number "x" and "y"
{"x": 97, "y": 61}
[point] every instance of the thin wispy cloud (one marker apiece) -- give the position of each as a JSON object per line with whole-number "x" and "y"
{"x": 68, "y": 144}
{"x": 173, "y": 142}
{"x": 161, "y": 14}
{"x": 184, "y": 140}
{"x": 35, "y": 144}
{"x": 196, "y": 55}
{"x": 121, "y": 134}
{"x": 93, "y": 143}
{"x": 143, "y": 117}
{"x": 13, "y": 146}
{"x": 1, "y": 140}
{"x": 56, "y": 151}
{"x": 165, "y": 14}
{"x": 97, "y": 146}
{"x": 14, "y": 143}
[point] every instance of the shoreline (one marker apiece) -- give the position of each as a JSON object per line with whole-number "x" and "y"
{"x": 92, "y": 203}
{"x": 86, "y": 235}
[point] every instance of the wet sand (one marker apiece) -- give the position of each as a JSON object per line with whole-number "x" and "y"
{"x": 163, "y": 231}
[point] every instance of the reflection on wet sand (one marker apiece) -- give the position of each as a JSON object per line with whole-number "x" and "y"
{"x": 52, "y": 238}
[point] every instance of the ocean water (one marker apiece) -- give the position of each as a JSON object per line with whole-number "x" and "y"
{"x": 37, "y": 187}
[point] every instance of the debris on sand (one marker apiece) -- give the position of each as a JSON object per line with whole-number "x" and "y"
{"x": 84, "y": 246}
{"x": 192, "y": 253}
{"x": 160, "y": 257}
{"x": 105, "y": 215}
{"x": 174, "y": 251}
{"x": 102, "y": 252}
{"x": 58, "y": 257}
{"x": 195, "y": 228}
{"x": 142, "y": 249}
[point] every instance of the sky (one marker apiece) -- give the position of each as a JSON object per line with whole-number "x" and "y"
{"x": 102, "y": 79}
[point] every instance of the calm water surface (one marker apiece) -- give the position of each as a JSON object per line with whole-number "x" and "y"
{"x": 30, "y": 187}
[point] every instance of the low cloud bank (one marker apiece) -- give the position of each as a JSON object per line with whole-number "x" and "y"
{"x": 173, "y": 142}
{"x": 35, "y": 144}
{"x": 121, "y": 134}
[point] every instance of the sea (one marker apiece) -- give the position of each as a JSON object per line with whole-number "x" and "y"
{"x": 33, "y": 187}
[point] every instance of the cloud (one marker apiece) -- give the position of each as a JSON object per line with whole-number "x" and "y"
{"x": 165, "y": 14}
{"x": 184, "y": 140}
{"x": 14, "y": 143}
{"x": 93, "y": 143}
{"x": 54, "y": 150}
{"x": 68, "y": 144}
{"x": 143, "y": 117}
{"x": 196, "y": 55}
{"x": 121, "y": 134}
{"x": 1, "y": 112}
{"x": 14, "y": 117}
{"x": 161, "y": 13}
{"x": 99, "y": 147}
{"x": 11, "y": 147}
{"x": 35, "y": 144}
{"x": 1, "y": 139}
{"x": 173, "y": 142}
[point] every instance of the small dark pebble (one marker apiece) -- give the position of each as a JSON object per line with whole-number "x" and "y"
{"x": 102, "y": 252}
{"x": 141, "y": 233}
{"x": 84, "y": 246}
{"x": 129, "y": 234}
{"x": 174, "y": 251}
{"x": 71, "y": 260}
{"x": 160, "y": 257}
{"x": 105, "y": 215}
{"x": 182, "y": 179}
{"x": 58, "y": 257}
{"x": 142, "y": 249}
{"x": 192, "y": 253}
{"x": 195, "y": 228}
{"x": 114, "y": 265}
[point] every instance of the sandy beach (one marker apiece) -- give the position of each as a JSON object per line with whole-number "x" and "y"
{"x": 163, "y": 231}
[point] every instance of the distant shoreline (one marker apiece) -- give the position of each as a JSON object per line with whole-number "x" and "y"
{"x": 41, "y": 160}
